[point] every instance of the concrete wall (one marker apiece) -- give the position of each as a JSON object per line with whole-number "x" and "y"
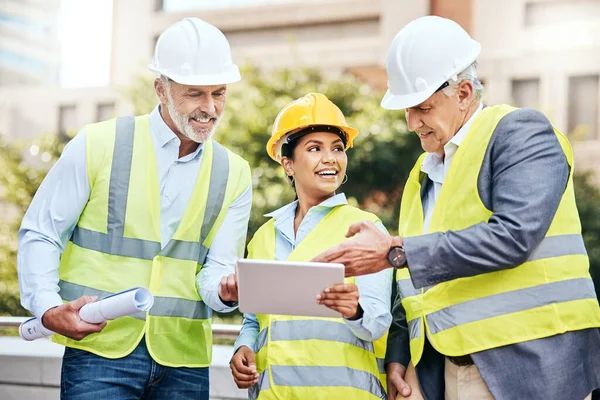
{"x": 31, "y": 371}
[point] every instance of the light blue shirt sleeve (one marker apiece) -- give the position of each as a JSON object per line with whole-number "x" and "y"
{"x": 227, "y": 247}
{"x": 375, "y": 291}
{"x": 48, "y": 225}
{"x": 248, "y": 333}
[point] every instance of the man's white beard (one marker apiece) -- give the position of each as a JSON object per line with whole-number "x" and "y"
{"x": 184, "y": 126}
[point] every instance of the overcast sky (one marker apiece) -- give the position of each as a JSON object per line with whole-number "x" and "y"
{"x": 85, "y": 32}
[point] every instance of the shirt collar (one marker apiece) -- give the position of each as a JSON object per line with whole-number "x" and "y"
{"x": 162, "y": 132}
{"x": 290, "y": 209}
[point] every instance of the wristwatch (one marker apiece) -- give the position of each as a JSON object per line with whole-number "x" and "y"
{"x": 397, "y": 257}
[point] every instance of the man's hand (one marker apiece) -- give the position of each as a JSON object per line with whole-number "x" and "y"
{"x": 243, "y": 368}
{"x": 365, "y": 253}
{"x": 342, "y": 298}
{"x": 395, "y": 381}
{"x": 228, "y": 290}
{"x": 65, "y": 319}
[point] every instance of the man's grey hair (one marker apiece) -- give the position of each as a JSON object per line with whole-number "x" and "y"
{"x": 468, "y": 74}
{"x": 166, "y": 81}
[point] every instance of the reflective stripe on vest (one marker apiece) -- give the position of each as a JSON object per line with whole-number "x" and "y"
{"x": 381, "y": 365}
{"x": 262, "y": 384}
{"x": 551, "y": 246}
{"x": 406, "y": 288}
{"x": 263, "y": 336}
{"x": 309, "y": 376}
{"x": 162, "y": 307}
{"x": 288, "y": 375}
{"x": 414, "y": 328}
{"x": 510, "y": 302}
{"x": 114, "y": 242}
{"x": 305, "y": 329}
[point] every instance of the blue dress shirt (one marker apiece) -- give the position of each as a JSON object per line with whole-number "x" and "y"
{"x": 64, "y": 193}
{"x": 375, "y": 290}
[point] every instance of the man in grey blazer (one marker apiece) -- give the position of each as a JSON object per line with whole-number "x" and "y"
{"x": 524, "y": 179}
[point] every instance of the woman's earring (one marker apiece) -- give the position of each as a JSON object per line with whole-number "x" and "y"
{"x": 292, "y": 180}
{"x": 345, "y": 179}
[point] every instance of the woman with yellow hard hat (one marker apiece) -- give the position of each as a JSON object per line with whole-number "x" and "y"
{"x": 285, "y": 357}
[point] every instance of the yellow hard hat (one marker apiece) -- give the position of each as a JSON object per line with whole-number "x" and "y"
{"x": 310, "y": 110}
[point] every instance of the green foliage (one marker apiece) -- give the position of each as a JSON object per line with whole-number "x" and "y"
{"x": 588, "y": 204}
{"x": 23, "y": 170}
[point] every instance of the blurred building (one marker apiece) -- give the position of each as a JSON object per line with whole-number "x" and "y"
{"x": 29, "y": 47}
{"x": 536, "y": 53}
{"x": 545, "y": 54}
{"x": 31, "y": 102}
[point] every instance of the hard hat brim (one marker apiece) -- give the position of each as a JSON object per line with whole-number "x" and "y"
{"x": 203, "y": 80}
{"x": 275, "y": 141}
{"x": 393, "y": 101}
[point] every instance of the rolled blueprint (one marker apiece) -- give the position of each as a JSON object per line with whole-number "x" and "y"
{"x": 114, "y": 306}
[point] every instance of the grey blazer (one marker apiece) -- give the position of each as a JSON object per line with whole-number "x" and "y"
{"x": 522, "y": 179}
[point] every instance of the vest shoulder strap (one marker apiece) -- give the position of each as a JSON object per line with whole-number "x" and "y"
{"x": 262, "y": 244}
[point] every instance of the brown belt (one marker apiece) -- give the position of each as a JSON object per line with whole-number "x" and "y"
{"x": 461, "y": 361}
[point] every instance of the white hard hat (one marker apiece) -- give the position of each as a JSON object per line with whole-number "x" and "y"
{"x": 193, "y": 52}
{"x": 424, "y": 55}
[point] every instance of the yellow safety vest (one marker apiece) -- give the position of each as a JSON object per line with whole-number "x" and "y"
{"x": 551, "y": 293}
{"x": 309, "y": 357}
{"x": 116, "y": 244}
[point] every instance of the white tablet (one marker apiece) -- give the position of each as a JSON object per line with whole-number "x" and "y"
{"x": 286, "y": 287}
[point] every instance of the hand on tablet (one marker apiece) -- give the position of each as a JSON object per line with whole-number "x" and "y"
{"x": 228, "y": 290}
{"x": 342, "y": 298}
{"x": 243, "y": 368}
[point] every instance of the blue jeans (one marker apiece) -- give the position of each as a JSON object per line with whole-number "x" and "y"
{"x": 136, "y": 376}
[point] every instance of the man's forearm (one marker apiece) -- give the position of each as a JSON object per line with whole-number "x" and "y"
{"x": 38, "y": 274}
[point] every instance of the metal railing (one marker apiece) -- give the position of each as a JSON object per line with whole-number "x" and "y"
{"x": 220, "y": 331}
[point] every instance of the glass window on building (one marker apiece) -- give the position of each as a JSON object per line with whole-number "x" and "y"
{"x": 583, "y": 107}
{"x": 526, "y": 92}
{"x": 105, "y": 111}
{"x": 67, "y": 119}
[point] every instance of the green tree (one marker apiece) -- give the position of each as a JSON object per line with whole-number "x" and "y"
{"x": 588, "y": 203}
{"x": 23, "y": 168}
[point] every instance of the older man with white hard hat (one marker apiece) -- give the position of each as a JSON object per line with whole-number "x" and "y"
{"x": 147, "y": 201}
{"x": 495, "y": 297}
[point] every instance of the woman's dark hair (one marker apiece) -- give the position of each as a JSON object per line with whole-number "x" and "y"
{"x": 291, "y": 142}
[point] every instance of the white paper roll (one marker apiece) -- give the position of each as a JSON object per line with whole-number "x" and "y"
{"x": 33, "y": 329}
{"x": 117, "y": 305}
{"x": 114, "y": 306}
